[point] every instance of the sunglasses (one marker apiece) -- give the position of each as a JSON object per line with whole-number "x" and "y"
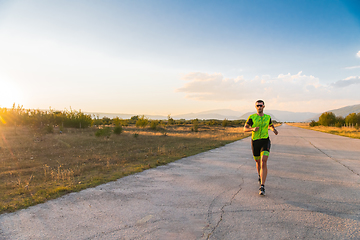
{"x": 259, "y": 105}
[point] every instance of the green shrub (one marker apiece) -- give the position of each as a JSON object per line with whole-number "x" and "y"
{"x": 103, "y": 132}
{"x": 195, "y": 127}
{"x": 77, "y": 119}
{"x": 170, "y": 120}
{"x": 225, "y": 122}
{"x": 118, "y": 129}
{"x": 133, "y": 119}
{"x": 327, "y": 119}
{"x": 352, "y": 119}
{"x": 313, "y": 123}
{"x": 116, "y": 121}
{"x": 105, "y": 121}
{"x": 213, "y": 122}
{"x": 142, "y": 122}
{"x": 153, "y": 125}
{"x": 339, "y": 121}
{"x": 124, "y": 122}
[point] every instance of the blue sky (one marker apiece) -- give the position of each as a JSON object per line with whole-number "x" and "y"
{"x": 173, "y": 57}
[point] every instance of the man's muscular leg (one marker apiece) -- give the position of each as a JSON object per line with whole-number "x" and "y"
{"x": 258, "y": 164}
{"x": 263, "y": 168}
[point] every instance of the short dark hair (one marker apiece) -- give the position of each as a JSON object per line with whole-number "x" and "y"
{"x": 260, "y": 101}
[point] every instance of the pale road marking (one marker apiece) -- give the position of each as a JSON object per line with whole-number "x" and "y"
{"x": 312, "y": 192}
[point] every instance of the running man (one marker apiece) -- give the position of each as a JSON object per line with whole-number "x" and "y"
{"x": 259, "y": 124}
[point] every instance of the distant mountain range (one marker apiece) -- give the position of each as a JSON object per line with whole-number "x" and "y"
{"x": 213, "y": 114}
{"x": 281, "y": 116}
{"x": 285, "y": 116}
{"x": 343, "y": 112}
{"x": 221, "y": 114}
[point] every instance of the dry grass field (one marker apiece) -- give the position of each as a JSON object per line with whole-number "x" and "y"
{"x": 36, "y": 166}
{"x": 344, "y": 131}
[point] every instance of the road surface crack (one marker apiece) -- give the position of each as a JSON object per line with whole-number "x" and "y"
{"x": 333, "y": 159}
{"x": 223, "y": 211}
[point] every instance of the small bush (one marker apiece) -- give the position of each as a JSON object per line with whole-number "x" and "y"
{"x": 313, "y": 123}
{"x": 338, "y": 125}
{"x": 195, "y": 127}
{"x": 171, "y": 121}
{"x": 118, "y": 130}
{"x": 142, "y": 122}
{"x": 118, "y": 121}
{"x": 225, "y": 123}
{"x": 103, "y": 132}
{"x": 153, "y": 125}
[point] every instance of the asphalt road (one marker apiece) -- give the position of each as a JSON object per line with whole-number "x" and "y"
{"x": 312, "y": 192}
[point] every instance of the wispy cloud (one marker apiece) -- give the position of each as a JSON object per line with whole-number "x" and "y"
{"x": 358, "y": 54}
{"x": 215, "y": 87}
{"x": 353, "y": 67}
{"x": 204, "y": 86}
{"x": 347, "y": 82}
{"x": 285, "y": 89}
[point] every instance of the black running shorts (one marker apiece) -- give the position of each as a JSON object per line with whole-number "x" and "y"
{"x": 260, "y": 146}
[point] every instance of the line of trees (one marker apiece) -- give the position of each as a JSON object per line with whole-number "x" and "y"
{"x": 18, "y": 116}
{"x": 142, "y": 121}
{"x": 330, "y": 119}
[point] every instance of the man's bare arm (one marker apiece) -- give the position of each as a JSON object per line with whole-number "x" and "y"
{"x": 247, "y": 128}
{"x": 273, "y": 129}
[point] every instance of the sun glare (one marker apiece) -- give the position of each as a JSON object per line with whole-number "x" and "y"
{"x": 9, "y": 94}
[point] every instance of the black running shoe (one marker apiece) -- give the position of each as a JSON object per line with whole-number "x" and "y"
{"x": 262, "y": 190}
